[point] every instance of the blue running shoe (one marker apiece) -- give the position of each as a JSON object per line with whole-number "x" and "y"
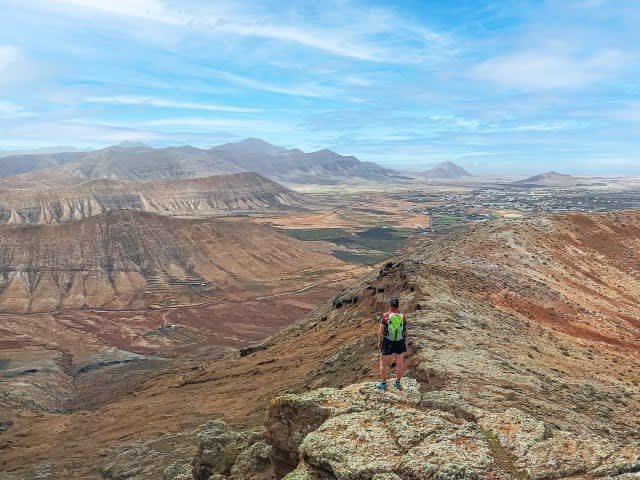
{"x": 397, "y": 384}
{"x": 381, "y": 386}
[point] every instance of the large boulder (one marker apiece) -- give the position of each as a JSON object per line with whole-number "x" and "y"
{"x": 254, "y": 463}
{"x": 219, "y": 447}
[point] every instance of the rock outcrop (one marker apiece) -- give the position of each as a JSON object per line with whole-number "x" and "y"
{"x": 360, "y": 433}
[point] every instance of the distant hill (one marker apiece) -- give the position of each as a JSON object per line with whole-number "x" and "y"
{"x": 447, "y": 170}
{"x": 549, "y": 179}
{"x": 295, "y": 165}
{"x": 132, "y": 161}
{"x": 129, "y": 259}
{"x": 208, "y": 195}
{"x": 12, "y": 165}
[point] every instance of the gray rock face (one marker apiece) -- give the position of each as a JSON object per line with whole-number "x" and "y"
{"x": 178, "y": 471}
{"x": 409, "y": 435}
{"x": 230, "y": 453}
{"x": 360, "y": 433}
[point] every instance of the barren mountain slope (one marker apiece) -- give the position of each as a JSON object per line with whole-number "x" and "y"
{"x": 11, "y": 165}
{"x": 127, "y": 259}
{"x": 539, "y": 315}
{"x": 143, "y": 163}
{"x": 549, "y": 179}
{"x": 201, "y": 196}
{"x": 446, "y": 170}
{"x": 297, "y": 166}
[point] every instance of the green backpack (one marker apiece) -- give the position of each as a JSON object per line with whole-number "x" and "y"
{"x": 395, "y": 326}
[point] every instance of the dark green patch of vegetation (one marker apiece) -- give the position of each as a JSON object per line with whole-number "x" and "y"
{"x": 366, "y": 248}
{"x": 374, "y": 211}
{"x": 387, "y": 240}
{"x": 316, "y": 234}
{"x": 360, "y": 258}
{"x": 447, "y": 220}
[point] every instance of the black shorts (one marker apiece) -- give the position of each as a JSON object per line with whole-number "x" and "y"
{"x": 389, "y": 347}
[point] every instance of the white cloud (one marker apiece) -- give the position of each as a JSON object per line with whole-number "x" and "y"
{"x": 40, "y": 134}
{"x": 13, "y": 110}
{"x": 166, "y": 103}
{"x": 154, "y": 10}
{"x": 245, "y": 127}
{"x": 546, "y": 70}
{"x": 9, "y": 55}
{"x": 340, "y": 36}
{"x": 308, "y": 90}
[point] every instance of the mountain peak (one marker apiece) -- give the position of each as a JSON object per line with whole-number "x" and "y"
{"x": 551, "y": 178}
{"x": 447, "y": 169}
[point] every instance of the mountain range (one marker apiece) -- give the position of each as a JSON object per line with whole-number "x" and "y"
{"x": 142, "y": 163}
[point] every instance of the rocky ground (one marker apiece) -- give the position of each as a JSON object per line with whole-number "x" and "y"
{"x": 360, "y": 433}
{"x": 523, "y": 341}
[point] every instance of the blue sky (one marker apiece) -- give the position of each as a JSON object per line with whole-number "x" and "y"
{"x": 496, "y": 86}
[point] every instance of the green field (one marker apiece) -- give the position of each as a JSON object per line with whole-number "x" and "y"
{"x": 366, "y": 247}
{"x": 316, "y": 234}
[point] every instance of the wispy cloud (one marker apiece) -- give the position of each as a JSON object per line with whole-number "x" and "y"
{"x": 12, "y": 110}
{"x": 166, "y": 103}
{"x": 369, "y": 39}
{"x": 547, "y": 70}
{"x": 308, "y": 90}
{"x": 150, "y": 10}
{"x": 9, "y": 55}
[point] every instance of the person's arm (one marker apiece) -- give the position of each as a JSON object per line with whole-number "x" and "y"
{"x": 404, "y": 326}
{"x": 380, "y": 334}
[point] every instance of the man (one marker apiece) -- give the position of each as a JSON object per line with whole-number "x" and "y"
{"x": 392, "y": 333}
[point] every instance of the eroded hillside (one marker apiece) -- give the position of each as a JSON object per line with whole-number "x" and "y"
{"x": 129, "y": 260}
{"x": 202, "y": 196}
{"x": 539, "y": 315}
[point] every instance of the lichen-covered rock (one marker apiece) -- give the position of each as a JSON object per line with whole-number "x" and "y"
{"x": 254, "y": 463}
{"x": 361, "y": 433}
{"x": 565, "y": 454}
{"x": 386, "y": 476}
{"x": 218, "y": 449}
{"x": 352, "y": 446}
{"x": 514, "y": 429}
{"x": 624, "y": 461}
{"x": 461, "y": 455}
{"x": 388, "y": 435}
{"x": 178, "y": 471}
{"x": 307, "y": 472}
{"x": 449, "y": 401}
{"x": 292, "y": 417}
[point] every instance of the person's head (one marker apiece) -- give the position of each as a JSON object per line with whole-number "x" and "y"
{"x": 394, "y": 302}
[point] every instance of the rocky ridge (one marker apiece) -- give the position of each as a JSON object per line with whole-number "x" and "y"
{"x": 359, "y": 433}
{"x": 242, "y": 192}
{"x": 514, "y": 326}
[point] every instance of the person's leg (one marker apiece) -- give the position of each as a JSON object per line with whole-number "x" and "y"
{"x": 399, "y": 366}
{"x": 384, "y": 368}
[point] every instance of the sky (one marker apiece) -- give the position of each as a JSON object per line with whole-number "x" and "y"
{"x": 499, "y": 87}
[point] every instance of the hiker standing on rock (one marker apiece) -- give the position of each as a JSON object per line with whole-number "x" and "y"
{"x": 392, "y": 341}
